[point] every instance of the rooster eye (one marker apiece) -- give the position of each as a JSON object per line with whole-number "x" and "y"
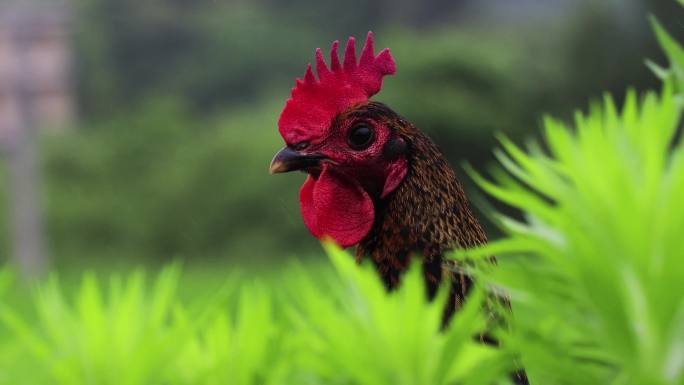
{"x": 360, "y": 137}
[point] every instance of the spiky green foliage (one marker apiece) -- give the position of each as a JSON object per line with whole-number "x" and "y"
{"x": 310, "y": 327}
{"x": 121, "y": 335}
{"x": 243, "y": 344}
{"x": 595, "y": 269}
{"x": 675, "y": 54}
{"x": 360, "y": 334}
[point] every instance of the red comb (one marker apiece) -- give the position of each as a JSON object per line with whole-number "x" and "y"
{"x": 315, "y": 103}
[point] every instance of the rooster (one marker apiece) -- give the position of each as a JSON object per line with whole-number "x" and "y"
{"x": 375, "y": 181}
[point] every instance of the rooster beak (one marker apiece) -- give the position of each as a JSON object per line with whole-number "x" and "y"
{"x": 288, "y": 159}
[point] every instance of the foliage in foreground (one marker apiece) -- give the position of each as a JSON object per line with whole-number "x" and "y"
{"x": 595, "y": 269}
{"x": 344, "y": 329}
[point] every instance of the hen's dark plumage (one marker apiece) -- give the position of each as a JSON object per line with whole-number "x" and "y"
{"x": 426, "y": 216}
{"x": 375, "y": 180}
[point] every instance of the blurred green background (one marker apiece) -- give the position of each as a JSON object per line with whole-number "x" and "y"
{"x": 177, "y": 103}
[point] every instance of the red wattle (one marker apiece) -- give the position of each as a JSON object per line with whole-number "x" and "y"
{"x": 335, "y": 206}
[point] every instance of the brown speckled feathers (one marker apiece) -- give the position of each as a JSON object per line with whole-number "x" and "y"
{"x": 426, "y": 216}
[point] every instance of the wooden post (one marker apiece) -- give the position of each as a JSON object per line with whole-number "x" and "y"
{"x": 24, "y": 185}
{"x": 34, "y": 71}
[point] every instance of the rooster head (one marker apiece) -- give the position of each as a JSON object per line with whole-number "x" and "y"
{"x": 348, "y": 146}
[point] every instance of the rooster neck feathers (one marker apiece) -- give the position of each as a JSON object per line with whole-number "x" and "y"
{"x": 427, "y": 215}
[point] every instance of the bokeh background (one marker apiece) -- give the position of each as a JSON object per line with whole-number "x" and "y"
{"x": 141, "y": 131}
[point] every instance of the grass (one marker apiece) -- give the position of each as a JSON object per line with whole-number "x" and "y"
{"x": 595, "y": 268}
{"x": 336, "y": 325}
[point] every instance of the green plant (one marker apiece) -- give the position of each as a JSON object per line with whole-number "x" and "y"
{"x": 313, "y": 326}
{"x": 121, "y": 335}
{"x": 243, "y": 346}
{"x": 360, "y": 334}
{"x": 675, "y": 53}
{"x": 595, "y": 268}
